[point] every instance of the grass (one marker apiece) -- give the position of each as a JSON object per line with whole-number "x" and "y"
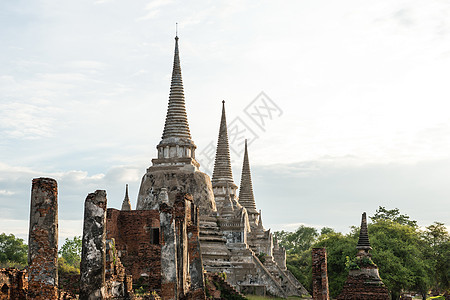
{"x": 253, "y": 297}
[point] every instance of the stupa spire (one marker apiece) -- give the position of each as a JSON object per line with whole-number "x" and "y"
{"x": 176, "y": 147}
{"x": 246, "y": 197}
{"x": 363, "y": 242}
{"x": 176, "y": 125}
{"x": 222, "y": 165}
{"x": 126, "y": 204}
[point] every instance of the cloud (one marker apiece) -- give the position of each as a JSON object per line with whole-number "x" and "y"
{"x": 6, "y": 193}
{"x": 153, "y": 9}
{"x": 334, "y": 195}
{"x": 26, "y": 121}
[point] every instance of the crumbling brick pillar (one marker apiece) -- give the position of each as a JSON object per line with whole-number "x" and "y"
{"x": 195, "y": 258}
{"x": 319, "y": 274}
{"x": 182, "y": 218}
{"x": 93, "y": 253}
{"x": 43, "y": 240}
{"x": 169, "y": 278}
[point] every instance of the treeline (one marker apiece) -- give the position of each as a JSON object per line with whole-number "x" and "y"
{"x": 14, "y": 254}
{"x": 408, "y": 258}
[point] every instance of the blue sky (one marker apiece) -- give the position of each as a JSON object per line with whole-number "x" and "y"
{"x": 359, "y": 90}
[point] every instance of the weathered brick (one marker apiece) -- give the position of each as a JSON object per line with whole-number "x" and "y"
{"x": 13, "y": 284}
{"x": 43, "y": 240}
{"x": 93, "y": 256}
{"x": 319, "y": 274}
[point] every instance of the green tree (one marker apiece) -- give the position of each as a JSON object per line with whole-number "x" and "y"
{"x": 438, "y": 254}
{"x": 13, "y": 252}
{"x": 408, "y": 258}
{"x": 398, "y": 251}
{"x": 300, "y": 266}
{"x": 71, "y": 251}
{"x": 339, "y": 247}
{"x": 393, "y": 215}
{"x": 297, "y": 241}
{"x": 298, "y": 248}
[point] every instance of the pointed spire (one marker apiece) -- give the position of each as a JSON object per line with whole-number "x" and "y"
{"x": 176, "y": 119}
{"x": 260, "y": 226}
{"x": 246, "y": 197}
{"x": 222, "y": 166}
{"x": 363, "y": 242}
{"x": 126, "y": 204}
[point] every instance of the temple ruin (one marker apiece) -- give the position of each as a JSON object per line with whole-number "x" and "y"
{"x": 363, "y": 281}
{"x": 231, "y": 234}
{"x": 185, "y": 227}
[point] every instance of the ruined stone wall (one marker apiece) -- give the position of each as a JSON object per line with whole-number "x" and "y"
{"x": 181, "y": 213}
{"x": 169, "y": 255}
{"x": 13, "y": 284}
{"x": 43, "y": 240}
{"x": 160, "y": 247}
{"x": 279, "y": 255}
{"x": 136, "y": 234}
{"x": 118, "y": 284}
{"x": 261, "y": 241}
{"x": 319, "y": 274}
{"x": 195, "y": 258}
{"x": 69, "y": 283}
{"x": 93, "y": 253}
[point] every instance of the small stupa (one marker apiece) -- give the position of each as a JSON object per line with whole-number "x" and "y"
{"x": 363, "y": 281}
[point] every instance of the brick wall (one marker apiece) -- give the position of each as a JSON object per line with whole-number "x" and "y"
{"x": 362, "y": 287}
{"x": 13, "y": 284}
{"x": 135, "y": 238}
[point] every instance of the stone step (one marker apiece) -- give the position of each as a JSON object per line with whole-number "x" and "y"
{"x": 209, "y": 225}
{"x": 204, "y": 231}
{"x": 220, "y": 239}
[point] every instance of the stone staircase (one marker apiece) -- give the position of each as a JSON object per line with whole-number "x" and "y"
{"x": 219, "y": 288}
{"x": 215, "y": 254}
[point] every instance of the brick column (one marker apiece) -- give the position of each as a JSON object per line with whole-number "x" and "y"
{"x": 43, "y": 240}
{"x": 319, "y": 274}
{"x": 195, "y": 258}
{"x": 93, "y": 253}
{"x": 169, "y": 270}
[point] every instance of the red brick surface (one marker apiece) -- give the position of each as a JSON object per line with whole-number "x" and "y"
{"x": 13, "y": 284}
{"x": 43, "y": 240}
{"x": 319, "y": 274}
{"x": 132, "y": 233}
{"x": 361, "y": 288}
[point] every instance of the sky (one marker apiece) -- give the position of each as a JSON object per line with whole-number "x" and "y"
{"x": 345, "y": 103}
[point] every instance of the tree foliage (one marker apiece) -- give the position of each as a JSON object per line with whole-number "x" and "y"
{"x": 408, "y": 258}
{"x": 71, "y": 252}
{"x": 13, "y": 252}
{"x": 298, "y": 248}
{"x": 392, "y": 215}
{"x": 339, "y": 247}
{"x": 398, "y": 251}
{"x": 438, "y": 255}
{"x": 297, "y": 241}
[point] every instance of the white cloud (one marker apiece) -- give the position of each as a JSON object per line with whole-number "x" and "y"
{"x": 26, "y": 121}
{"x": 361, "y": 84}
{"x": 6, "y": 193}
{"x": 153, "y": 9}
